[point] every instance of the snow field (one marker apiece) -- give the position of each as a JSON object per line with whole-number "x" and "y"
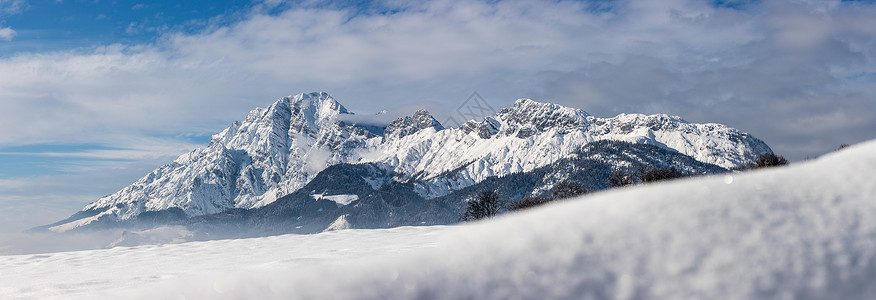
{"x": 121, "y": 270}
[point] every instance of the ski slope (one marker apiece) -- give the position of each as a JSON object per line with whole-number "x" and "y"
{"x": 806, "y": 231}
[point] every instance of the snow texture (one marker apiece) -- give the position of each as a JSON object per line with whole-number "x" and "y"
{"x": 340, "y": 224}
{"x": 341, "y": 200}
{"x": 806, "y": 231}
{"x": 279, "y": 149}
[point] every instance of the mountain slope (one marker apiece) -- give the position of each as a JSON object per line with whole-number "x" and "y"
{"x": 366, "y": 196}
{"x": 277, "y": 150}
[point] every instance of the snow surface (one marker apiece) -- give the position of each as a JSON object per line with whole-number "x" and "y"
{"x": 340, "y": 223}
{"x": 81, "y": 222}
{"x": 95, "y": 273}
{"x": 806, "y": 231}
{"x": 341, "y": 200}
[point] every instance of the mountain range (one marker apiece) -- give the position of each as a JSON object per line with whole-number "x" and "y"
{"x": 305, "y": 164}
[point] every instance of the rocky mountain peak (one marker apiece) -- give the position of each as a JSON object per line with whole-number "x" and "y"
{"x": 310, "y": 112}
{"x": 484, "y": 129}
{"x": 402, "y": 127}
{"x": 538, "y": 116}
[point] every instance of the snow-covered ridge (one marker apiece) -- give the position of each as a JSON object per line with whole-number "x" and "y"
{"x": 278, "y": 149}
{"x": 409, "y": 125}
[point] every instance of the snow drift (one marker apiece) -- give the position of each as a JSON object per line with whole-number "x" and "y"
{"x": 806, "y": 231}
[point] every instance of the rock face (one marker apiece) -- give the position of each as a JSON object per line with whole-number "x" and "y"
{"x": 409, "y": 125}
{"x": 278, "y": 150}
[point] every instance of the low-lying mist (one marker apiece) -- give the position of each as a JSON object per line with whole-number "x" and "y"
{"x": 47, "y": 242}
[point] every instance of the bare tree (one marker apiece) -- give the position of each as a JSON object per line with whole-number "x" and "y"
{"x": 767, "y": 160}
{"x": 485, "y": 205}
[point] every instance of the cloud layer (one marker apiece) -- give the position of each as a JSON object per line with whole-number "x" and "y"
{"x": 798, "y": 74}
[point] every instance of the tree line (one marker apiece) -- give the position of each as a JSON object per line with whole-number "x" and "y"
{"x": 488, "y": 203}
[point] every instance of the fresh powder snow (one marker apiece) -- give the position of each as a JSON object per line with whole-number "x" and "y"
{"x": 805, "y": 231}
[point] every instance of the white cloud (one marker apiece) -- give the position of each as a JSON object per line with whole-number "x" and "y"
{"x": 759, "y": 68}
{"x": 6, "y": 34}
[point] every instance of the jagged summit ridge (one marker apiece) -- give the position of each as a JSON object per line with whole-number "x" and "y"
{"x": 402, "y": 127}
{"x": 278, "y": 149}
{"x": 540, "y": 116}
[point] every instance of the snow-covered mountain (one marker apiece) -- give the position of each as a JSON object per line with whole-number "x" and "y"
{"x": 277, "y": 150}
{"x": 806, "y": 231}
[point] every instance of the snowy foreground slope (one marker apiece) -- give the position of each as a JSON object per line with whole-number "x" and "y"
{"x": 806, "y": 231}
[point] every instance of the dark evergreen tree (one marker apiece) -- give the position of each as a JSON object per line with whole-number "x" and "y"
{"x": 528, "y": 202}
{"x": 661, "y": 174}
{"x": 620, "y": 178}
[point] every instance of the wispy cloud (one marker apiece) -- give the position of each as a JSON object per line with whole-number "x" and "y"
{"x": 11, "y": 7}
{"x": 147, "y": 148}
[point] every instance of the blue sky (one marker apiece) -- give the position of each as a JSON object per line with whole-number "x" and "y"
{"x": 95, "y": 94}
{"x": 50, "y": 25}
{"x": 79, "y": 25}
